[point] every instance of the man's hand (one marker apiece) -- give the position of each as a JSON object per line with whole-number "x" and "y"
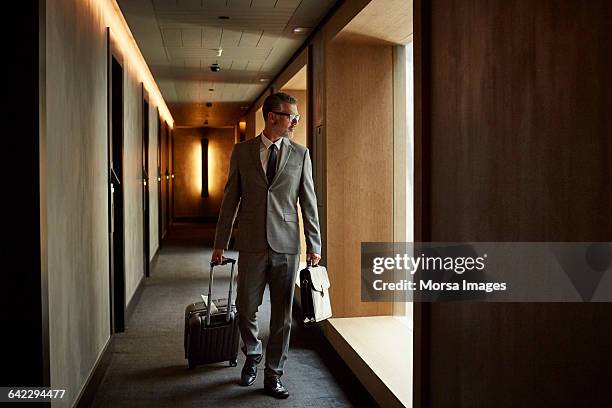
{"x": 314, "y": 258}
{"x": 217, "y": 256}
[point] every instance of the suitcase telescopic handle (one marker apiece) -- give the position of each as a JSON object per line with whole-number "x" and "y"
{"x": 224, "y": 261}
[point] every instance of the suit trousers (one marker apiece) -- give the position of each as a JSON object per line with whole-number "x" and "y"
{"x": 279, "y": 271}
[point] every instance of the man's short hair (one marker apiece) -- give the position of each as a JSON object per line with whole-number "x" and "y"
{"x": 275, "y": 102}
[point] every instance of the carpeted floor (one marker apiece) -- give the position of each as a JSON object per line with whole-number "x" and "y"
{"x": 148, "y": 368}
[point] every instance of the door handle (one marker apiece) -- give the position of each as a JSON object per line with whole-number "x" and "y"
{"x": 145, "y": 176}
{"x": 114, "y": 177}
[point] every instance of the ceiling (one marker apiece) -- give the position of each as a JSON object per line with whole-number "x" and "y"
{"x": 179, "y": 39}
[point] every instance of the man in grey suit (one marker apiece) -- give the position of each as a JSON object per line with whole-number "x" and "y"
{"x": 268, "y": 175}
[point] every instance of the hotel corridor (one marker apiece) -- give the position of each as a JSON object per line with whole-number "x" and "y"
{"x": 148, "y": 368}
{"x": 400, "y": 125}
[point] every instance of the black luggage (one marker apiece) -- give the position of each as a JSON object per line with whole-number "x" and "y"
{"x": 211, "y": 330}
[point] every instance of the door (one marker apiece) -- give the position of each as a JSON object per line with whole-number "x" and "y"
{"x": 145, "y": 182}
{"x": 168, "y": 178}
{"x": 115, "y": 193}
{"x": 159, "y": 181}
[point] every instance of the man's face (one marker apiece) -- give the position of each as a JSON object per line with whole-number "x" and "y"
{"x": 284, "y": 125}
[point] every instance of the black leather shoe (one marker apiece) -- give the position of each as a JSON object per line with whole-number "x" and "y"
{"x": 249, "y": 372}
{"x": 274, "y": 387}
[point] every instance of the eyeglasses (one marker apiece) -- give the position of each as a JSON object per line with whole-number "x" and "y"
{"x": 292, "y": 117}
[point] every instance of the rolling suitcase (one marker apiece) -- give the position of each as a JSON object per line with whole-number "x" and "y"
{"x": 211, "y": 329}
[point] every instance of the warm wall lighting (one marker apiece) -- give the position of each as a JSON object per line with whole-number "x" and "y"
{"x": 242, "y": 126}
{"x": 204, "y": 167}
{"x": 195, "y": 178}
{"x": 121, "y": 32}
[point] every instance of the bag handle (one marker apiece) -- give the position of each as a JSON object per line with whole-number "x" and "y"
{"x": 224, "y": 261}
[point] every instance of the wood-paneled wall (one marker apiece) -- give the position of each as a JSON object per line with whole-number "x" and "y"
{"x": 359, "y": 146}
{"x": 516, "y": 124}
{"x": 188, "y": 198}
{"x": 251, "y": 124}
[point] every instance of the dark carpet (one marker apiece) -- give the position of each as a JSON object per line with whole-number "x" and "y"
{"x": 148, "y": 367}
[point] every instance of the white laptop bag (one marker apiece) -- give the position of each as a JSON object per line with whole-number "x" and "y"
{"x": 320, "y": 293}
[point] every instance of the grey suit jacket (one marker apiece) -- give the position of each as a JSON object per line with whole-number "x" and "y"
{"x": 268, "y": 214}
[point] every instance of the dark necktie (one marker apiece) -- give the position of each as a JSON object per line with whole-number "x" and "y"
{"x": 271, "y": 170}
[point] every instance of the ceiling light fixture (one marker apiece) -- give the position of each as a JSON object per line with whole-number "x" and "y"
{"x": 263, "y": 79}
{"x": 301, "y": 30}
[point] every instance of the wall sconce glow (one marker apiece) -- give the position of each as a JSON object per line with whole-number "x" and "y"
{"x": 121, "y": 32}
{"x": 204, "y": 167}
{"x": 242, "y": 126}
{"x": 196, "y": 175}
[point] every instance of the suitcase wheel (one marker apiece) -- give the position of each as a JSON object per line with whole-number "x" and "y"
{"x": 190, "y": 364}
{"x": 233, "y": 362}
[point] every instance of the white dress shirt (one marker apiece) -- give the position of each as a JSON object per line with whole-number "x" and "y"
{"x": 264, "y": 151}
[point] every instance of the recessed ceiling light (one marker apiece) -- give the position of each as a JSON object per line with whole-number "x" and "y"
{"x": 211, "y": 89}
{"x": 301, "y": 30}
{"x": 223, "y": 17}
{"x": 263, "y": 79}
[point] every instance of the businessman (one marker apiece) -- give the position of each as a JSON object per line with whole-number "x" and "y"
{"x": 268, "y": 175}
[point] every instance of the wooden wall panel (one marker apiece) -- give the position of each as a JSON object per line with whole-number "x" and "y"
{"x": 359, "y": 117}
{"x": 250, "y": 125}
{"x": 187, "y": 182}
{"x": 520, "y": 150}
{"x": 533, "y": 136}
{"x": 300, "y": 132}
{"x": 316, "y": 68}
{"x": 296, "y": 64}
